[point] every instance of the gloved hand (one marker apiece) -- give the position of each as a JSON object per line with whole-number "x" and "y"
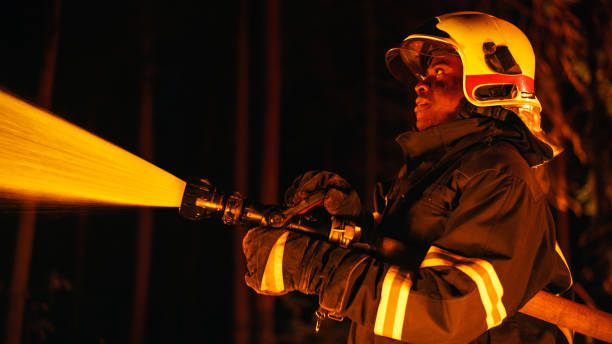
{"x": 339, "y": 198}
{"x": 274, "y": 260}
{"x": 280, "y": 261}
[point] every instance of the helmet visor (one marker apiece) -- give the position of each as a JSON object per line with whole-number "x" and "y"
{"x": 410, "y": 61}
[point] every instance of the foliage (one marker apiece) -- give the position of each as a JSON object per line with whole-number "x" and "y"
{"x": 572, "y": 40}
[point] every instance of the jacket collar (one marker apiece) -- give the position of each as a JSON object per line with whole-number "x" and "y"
{"x": 438, "y": 139}
{"x": 475, "y": 124}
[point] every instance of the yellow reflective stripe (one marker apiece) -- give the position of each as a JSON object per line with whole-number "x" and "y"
{"x": 482, "y": 290}
{"x": 560, "y": 253}
{"x": 482, "y": 273}
{"x": 569, "y": 334}
{"x": 429, "y": 262}
{"x": 393, "y": 303}
{"x": 400, "y": 311}
{"x": 475, "y": 276}
{"x": 272, "y": 279}
{"x": 384, "y": 300}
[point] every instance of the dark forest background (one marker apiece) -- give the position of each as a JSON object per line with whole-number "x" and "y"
{"x": 250, "y": 94}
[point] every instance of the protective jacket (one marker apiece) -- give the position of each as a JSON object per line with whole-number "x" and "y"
{"x": 480, "y": 238}
{"x": 480, "y": 242}
{"x": 476, "y": 242}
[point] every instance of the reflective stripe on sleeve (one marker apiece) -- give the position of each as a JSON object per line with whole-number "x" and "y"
{"x": 272, "y": 279}
{"x": 393, "y": 302}
{"x": 568, "y": 333}
{"x": 481, "y": 272}
{"x": 560, "y": 253}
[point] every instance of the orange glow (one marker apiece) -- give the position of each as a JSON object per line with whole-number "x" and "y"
{"x": 45, "y": 158}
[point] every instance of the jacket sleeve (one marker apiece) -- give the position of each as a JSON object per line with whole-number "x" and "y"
{"x": 497, "y": 250}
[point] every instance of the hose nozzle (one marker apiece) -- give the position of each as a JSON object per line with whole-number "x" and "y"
{"x": 203, "y": 200}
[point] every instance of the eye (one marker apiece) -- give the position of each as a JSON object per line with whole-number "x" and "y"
{"x": 438, "y": 71}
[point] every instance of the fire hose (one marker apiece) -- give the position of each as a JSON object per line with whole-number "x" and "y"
{"x": 201, "y": 200}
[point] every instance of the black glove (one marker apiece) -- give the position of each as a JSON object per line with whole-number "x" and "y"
{"x": 274, "y": 260}
{"x": 280, "y": 261}
{"x": 339, "y": 198}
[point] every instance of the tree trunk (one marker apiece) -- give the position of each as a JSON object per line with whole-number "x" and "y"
{"x": 371, "y": 169}
{"x": 242, "y": 305}
{"x": 144, "y": 237}
{"x": 79, "y": 270}
{"x": 27, "y": 221}
{"x": 21, "y": 270}
{"x": 270, "y": 155}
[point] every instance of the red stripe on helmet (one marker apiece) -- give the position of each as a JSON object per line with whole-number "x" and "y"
{"x": 523, "y": 83}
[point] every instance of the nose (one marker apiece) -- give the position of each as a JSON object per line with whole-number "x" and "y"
{"x": 421, "y": 87}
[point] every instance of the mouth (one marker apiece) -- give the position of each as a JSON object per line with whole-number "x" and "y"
{"x": 420, "y": 103}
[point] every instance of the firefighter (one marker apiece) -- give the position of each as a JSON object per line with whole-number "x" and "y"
{"x": 468, "y": 237}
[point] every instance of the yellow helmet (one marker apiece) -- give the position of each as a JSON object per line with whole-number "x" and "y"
{"x": 498, "y": 62}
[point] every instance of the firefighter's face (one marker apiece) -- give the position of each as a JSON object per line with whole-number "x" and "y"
{"x": 440, "y": 93}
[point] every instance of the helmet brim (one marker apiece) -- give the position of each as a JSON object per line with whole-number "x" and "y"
{"x": 409, "y": 62}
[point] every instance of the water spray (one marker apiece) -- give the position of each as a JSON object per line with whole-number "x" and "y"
{"x": 48, "y": 160}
